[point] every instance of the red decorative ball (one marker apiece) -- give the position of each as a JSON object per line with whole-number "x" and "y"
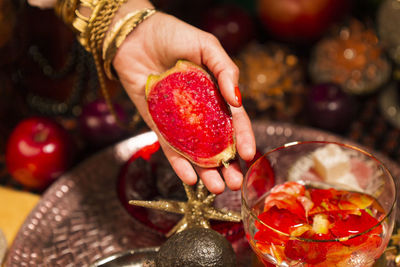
{"x": 38, "y": 151}
{"x": 232, "y": 25}
{"x": 300, "y": 20}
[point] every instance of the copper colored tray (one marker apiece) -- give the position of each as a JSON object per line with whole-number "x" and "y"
{"x": 80, "y": 220}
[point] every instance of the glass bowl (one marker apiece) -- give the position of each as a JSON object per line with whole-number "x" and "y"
{"x": 318, "y": 204}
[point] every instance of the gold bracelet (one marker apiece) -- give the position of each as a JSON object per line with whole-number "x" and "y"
{"x": 91, "y": 33}
{"x": 65, "y": 9}
{"x": 118, "y": 34}
{"x": 95, "y": 27}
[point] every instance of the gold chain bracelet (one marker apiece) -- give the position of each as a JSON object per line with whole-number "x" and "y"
{"x": 91, "y": 32}
{"x": 93, "y": 29}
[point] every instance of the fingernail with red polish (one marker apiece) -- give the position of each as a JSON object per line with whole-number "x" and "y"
{"x": 238, "y": 96}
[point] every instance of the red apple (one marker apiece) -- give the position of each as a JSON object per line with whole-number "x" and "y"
{"x": 233, "y": 27}
{"x": 38, "y": 151}
{"x": 300, "y": 20}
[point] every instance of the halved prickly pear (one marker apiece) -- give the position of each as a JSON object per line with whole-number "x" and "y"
{"x": 191, "y": 114}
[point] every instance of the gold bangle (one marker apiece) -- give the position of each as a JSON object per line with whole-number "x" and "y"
{"x": 118, "y": 34}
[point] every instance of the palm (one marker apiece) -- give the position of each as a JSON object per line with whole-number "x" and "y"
{"x": 154, "y": 47}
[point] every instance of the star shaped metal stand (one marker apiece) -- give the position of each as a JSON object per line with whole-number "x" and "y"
{"x": 197, "y": 211}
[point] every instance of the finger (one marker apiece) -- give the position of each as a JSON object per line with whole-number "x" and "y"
{"x": 223, "y": 68}
{"x": 233, "y": 176}
{"x": 245, "y": 141}
{"x": 211, "y": 179}
{"x": 181, "y": 166}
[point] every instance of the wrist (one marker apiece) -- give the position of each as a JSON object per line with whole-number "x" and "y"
{"x": 128, "y": 18}
{"x": 129, "y": 7}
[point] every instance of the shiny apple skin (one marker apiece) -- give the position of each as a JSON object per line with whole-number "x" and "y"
{"x": 38, "y": 151}
{"x": 301, "y": 21}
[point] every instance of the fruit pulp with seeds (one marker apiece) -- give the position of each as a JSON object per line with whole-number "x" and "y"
{"x": 201, "y": 116}
{"x": 309, "y": 226}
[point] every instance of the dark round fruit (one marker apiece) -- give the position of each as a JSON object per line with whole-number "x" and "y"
{"x": 330, "y": 108}
{"x": 98, "y": 125}
{"x": 232, "y": 25}
{"x": 196, "y": 247}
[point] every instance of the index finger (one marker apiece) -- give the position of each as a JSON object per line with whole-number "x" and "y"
{"x": 214, "y": 57}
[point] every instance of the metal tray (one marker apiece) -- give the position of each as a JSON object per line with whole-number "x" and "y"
{"x": 80, "y": 220}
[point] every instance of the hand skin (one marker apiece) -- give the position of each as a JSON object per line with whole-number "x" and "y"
{"x": 155, "y": 46}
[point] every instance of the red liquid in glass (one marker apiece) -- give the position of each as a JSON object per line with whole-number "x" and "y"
{"x": 318, "y": 227}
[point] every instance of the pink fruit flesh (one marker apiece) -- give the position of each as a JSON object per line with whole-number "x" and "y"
{"x": 191, "y": 115}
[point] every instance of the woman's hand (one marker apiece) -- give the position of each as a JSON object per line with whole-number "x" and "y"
{"x": 155, "y": 46}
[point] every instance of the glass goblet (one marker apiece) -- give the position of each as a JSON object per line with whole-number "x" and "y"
{"x": 320, "y": 204}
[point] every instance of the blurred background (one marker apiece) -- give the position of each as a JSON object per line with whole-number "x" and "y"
{"x": 328, "y": 64}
